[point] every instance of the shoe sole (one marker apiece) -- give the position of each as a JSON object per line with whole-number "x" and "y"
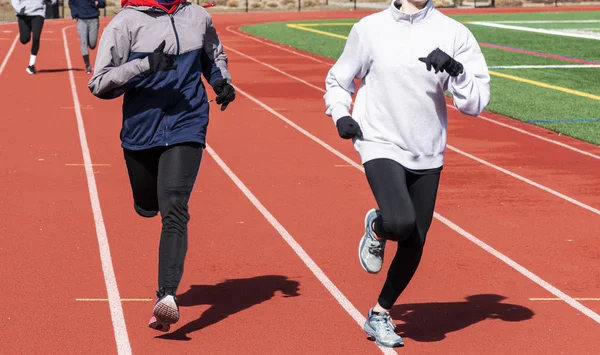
{"x": 362, "y": 242}
{"x": 159, "y": 325}
{"x": 29, "y": 71}
{"x": 163, "y": 316}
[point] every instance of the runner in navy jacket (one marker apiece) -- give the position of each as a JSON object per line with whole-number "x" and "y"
{"x": 154, "y": 54}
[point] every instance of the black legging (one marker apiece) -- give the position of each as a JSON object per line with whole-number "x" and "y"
{"x": 162, "y": 180}
{"x": 406, "y": 201}
{"x": 29, "y": 25}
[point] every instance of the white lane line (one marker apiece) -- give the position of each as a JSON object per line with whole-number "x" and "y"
{"x": 470, "y": 156}
{"x": 522, "y": 270}
{"x": 116, "y": 310}
{"x": 505, "y": 125}
{"x": 308, "y": 261}
{"x": 10, "y": 51}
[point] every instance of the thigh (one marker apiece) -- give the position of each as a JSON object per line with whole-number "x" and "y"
{"x": 177, "y": 172}
{"x": 93, "y": 26}
{"x": 37, "y": 24}
{"x": 142, "y": 167}
{"x": 82, "y": 29}
{"x": 24, "y": 27}
{"x": 387, "y": 180}
{"x": 423, "y": 192}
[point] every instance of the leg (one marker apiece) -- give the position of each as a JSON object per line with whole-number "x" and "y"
{"x": 177, "y": 172}
{"x": 142, "y": 167}
{"x": 406, "y": 202}
{"x": 37, "y": 24}
{"x": 93, "y": 26}
{"x": 82, "y": 31}
{"x": 423, "y": 191}
{"x": 24, "y": 28}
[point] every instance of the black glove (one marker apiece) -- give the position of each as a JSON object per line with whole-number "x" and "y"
{"x": 441, "y": 61}
{"x": 160, "y": 61}
{"x": 22, "y": 12}
{"x": 225, "y": 93}
{"x": 348, "y": 128}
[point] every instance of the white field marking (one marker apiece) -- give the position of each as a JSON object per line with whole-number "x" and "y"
{"x": 106, "y": 299}
{"x": 308, "y": 261}
{"x": 505, "y": 125}
{"x": 558, "y": 299}
{"x": 526, "y": 180}
{"x": 76, "y": 164}
{"x": 550, "y": 21}
{"x": 279, "y": 47}
{"x": 566, "y": 66}
{"x": 530, "y": 275}
{"x": 536, "y": 30}
{"x": 275, "y": 69}
{"x": 516, "y": 176}
{"x": 114, "y": 300}
{"x": 10, "y": 50}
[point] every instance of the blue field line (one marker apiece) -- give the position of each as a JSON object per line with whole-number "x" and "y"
{"x": 571, "y": 120}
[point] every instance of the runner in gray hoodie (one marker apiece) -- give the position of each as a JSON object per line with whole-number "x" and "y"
{"x": 406, "y": 57}
{"x": 31, "y": 15}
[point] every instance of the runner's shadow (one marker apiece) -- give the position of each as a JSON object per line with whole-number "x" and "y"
{"x": 42, "y": 71}
{"x": 430, "y": 322}
{"x": 229, "y": 297}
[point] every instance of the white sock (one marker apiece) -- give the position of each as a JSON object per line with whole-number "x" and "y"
{"x": 32, "y": 60}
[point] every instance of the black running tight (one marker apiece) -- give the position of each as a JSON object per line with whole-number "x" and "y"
{"x": 162, "y": 180}
{"x": 28, "y": 26}
{"x": 406, "y": 201}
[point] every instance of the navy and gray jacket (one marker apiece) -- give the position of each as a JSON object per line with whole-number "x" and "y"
{"x": 165, "y": 107}
{"x": 86, "y": 9}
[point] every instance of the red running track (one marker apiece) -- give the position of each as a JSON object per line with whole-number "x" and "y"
{"x": 463, "y": 299}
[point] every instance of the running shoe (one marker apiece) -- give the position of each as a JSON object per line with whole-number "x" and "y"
{"x": 31, "y": 69}
{"x": 165, "y": 313}
{"x": 381, "y": 328}
{"x": 370, "y": 250}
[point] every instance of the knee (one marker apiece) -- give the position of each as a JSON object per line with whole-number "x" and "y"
{"x": 148, "y": 213}
{"x": 174, "y": 208}
{"x": 24, "y": 39}
{"x": 399, "y": 227}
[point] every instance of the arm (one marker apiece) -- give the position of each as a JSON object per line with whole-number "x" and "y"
{"x": 114, "y": 74}
{"x": 352, "y": 64}
{"x": 214, "y": 60}
{"x": 101, "y": 4}
{"x": 471, "y": 88}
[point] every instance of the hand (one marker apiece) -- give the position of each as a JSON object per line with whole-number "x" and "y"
{"x": 159, "y": 61}
{"x": 225, "y": 93}
{"x": 22, "y": 12}
{"x": 348, "y": 128}
{"x": 441, "y": 61}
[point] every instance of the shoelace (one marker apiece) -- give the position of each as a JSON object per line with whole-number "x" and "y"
{"x": 388, "y": 322}
{"x": 376, "y": 249}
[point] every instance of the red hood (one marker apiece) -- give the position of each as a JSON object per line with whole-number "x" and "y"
{"x": 168, "y": 6}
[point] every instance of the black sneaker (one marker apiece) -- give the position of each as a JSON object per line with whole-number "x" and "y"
{"x": 31, "y": 69}
{"x": 88, "y": 69}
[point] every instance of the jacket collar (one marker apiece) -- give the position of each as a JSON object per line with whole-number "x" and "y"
{"x": 417, "y": 17}
{"x": 168, "y": 6}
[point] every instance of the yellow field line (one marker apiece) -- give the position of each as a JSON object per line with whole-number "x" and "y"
{"x": 547, "y": 86}
{"x": 322, "y": 24}
{"x": 300, "y": 27}
{"x": 502, "y": 75}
